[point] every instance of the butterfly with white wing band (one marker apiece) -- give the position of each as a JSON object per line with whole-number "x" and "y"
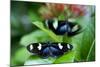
{"x": 61, "y": 27}
{"x": 46, "y": 50}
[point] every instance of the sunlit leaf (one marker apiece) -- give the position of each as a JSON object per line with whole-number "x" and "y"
{"x": 50, "y": 33}
{"x": 34, "y": 37}
{"x": 67, "y": 58}
{"x": 20, "y": 56}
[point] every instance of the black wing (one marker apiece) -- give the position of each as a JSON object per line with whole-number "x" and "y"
{"x": 64, "y": 47}
{"x": 35, "y": 48}
{"x": 74, "y": 29}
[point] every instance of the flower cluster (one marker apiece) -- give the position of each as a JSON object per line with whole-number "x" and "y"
{"x": 54, "y": 10}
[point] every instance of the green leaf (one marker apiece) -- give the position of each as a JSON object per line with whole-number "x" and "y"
{"x": 50, "y": 33}
{"x": 67, "y": 58}
{"x": 61, "y": 17}
{"x": 33, "y": 60}
{"x": 91, "y": 54}
{"x": 85, "y": 39}
{"x": 20, "y": 57}
{"x": 34, "y": 37}
{"x": 34, "y": 16}
{"x": 76, "y": 41}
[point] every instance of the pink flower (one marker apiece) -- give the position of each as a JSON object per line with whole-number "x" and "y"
{"x": 78, "y": 10}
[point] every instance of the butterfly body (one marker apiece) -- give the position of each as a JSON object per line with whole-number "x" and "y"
{"x": 46, "y": 50}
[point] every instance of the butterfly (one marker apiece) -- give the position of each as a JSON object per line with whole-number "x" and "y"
{"x": 45, "y": 50}
{"x": 62, "y": 27}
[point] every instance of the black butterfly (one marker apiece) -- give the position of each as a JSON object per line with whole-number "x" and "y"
{"x": 46, "y": 50}
{"x": 63, "y": 27}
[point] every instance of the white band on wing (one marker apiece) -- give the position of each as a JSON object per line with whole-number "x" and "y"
{"x": 40, "y": 46}
{"x": 31, "y": 47}
{"x": 60, "y": 46}
{"x": 68, "y": 46}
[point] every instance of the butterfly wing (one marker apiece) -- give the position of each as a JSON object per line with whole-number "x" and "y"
{"x": 32, "y": 48}
{"x": 75, "y": 29}
{"x": 44, "y": 52}
{"x": 50, "y": 24}
{"x": 63, "y": 27}
{"x": 35, "y": 48}
{"x": 55, "y": 50}
{"x": 65, "y": 47}
{"x": 40, "y": 49}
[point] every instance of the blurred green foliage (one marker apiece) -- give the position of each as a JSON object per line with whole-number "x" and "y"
{"x": 27, "y": 27}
